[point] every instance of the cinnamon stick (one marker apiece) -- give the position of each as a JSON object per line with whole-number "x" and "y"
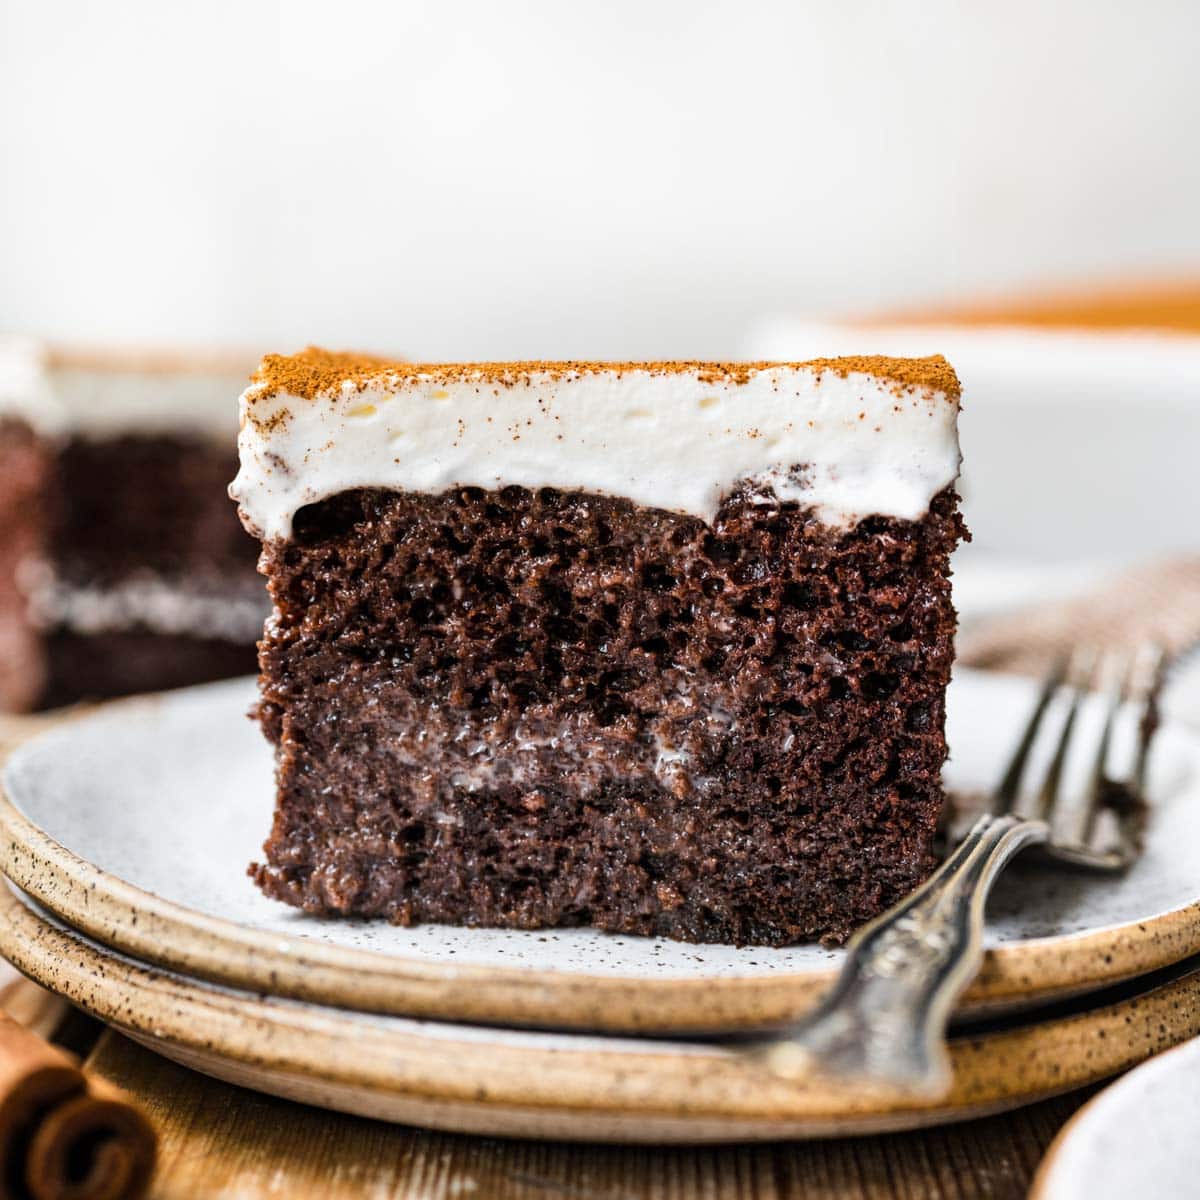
{"x": 63, "y": 1135}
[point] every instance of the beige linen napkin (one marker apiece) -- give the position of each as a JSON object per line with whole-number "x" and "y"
{"x": 1158, "y": 602}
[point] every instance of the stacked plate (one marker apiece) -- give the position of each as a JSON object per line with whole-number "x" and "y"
{"x": 127, "y": 832}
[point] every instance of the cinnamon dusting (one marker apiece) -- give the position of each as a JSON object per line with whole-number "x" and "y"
{"x": 314, "y": 372}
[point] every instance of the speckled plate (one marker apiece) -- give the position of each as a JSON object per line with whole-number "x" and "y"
{"x": 135, "y": 825}
{"x": 521, "y": 1083}
{"x": 1137, "y": 1138}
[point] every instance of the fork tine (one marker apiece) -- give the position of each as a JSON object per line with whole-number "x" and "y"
{"x": 1078, "y": 834}
{"x": 1081, "y": 672}
{"x": 1004, "y": 797}
{"x": 1149, "y": 668}
{"x": 1080, "y": 825}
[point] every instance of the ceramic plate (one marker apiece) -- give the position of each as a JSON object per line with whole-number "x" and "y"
{"x": 1138, "y": 1138}
{"x": 520, "y": 1083}
{"x": 135, "y": 824}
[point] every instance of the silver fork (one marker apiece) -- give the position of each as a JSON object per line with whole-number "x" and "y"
{"x": 884, "y": 1021}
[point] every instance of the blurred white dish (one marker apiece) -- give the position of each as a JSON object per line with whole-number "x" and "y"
{"x": 1137, "y": 1138}
{"x": 1077, "y": 446}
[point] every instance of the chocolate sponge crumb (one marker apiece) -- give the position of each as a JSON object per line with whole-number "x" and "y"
{"x": 528, "y": 708}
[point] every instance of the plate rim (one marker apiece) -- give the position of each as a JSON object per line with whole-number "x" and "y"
{"x": 626, "y": 1092}
{"x": 147, "y": 926}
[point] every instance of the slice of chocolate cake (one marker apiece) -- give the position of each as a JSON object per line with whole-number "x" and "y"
{"x": 660, "y": 648}
{"x": 27, "y": 423}
{"x": 24, "y": 471}
{"x": 137, "y": 577}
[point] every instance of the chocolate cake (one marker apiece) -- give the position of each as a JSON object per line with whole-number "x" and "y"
{"x": 24, "y": 472}
{"x": 123, "y": 569}
{"x": 660, "y": 648}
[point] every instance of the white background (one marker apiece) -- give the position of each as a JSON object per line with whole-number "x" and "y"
{"x": 505, "y": 179}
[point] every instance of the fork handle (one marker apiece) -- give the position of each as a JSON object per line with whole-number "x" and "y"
{"x": 884, "y": 1022}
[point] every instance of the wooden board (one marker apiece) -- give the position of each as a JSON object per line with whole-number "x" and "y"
{"x": 1162, "y": 305}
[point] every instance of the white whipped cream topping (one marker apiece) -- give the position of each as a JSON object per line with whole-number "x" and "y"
{"x": 100, "y": 404}
{"x": 114, "y": 395}
{"x": 669, "y": 440}
{"x": 192, "y": 607}
{"x": 25, "y": 389}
